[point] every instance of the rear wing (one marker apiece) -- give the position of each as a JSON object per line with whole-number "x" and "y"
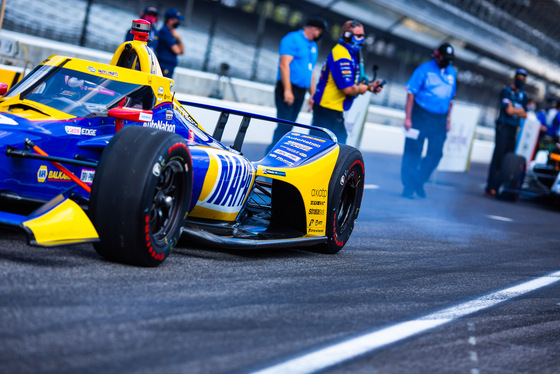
{"x": 246, "y": 119}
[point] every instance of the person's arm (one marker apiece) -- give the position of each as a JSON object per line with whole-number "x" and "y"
{"x": 285, "y": 61}
{"x": 408, "y": 111}
{"x": 355, "y": 90}
{"x": 177, "y": 48}
{"x": 512, "y": 111}
{"x": 312, "y": 89}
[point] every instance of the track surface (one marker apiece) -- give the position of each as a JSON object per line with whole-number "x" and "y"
{"x": 66, "y": 310}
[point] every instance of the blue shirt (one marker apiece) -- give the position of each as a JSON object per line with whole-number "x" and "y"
{"x": 433, "y": 87}
{"x": 304, "y": 52}
{"x": 163, "y": 49}
{"x": 517, "y": 100}
{"x": 339, "y": 71}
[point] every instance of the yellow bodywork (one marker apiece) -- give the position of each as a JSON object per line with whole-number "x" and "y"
{"x": 312, "y": 181}
{"x": 65, "y": 223}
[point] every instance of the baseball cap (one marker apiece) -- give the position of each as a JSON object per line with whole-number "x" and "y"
{"x": 174, "y": 13}
{"x": 150, "y": 10}
{"x": 446, "y": 51}
{"x": 521, "y": 71}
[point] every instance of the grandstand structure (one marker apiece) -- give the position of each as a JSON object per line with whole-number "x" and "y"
{"x": 492, "y": 37}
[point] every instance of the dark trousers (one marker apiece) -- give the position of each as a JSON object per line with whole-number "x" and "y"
{"x": 415, "y": 170}
{"x": 329, "y": 119}
{"x": 285, "y": 111}
{"x": 167, "y": 69}
{"x": 504, "y": 143}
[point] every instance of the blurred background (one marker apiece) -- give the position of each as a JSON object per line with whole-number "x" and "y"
{"x": 491, "y": 37}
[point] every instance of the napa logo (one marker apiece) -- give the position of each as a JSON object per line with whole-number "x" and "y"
{"x": 42, "y": 174}
{"x": 227, "y": 182}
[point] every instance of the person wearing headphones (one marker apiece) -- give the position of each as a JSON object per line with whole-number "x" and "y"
{"x": 338, "y": 83}
{"x": 298, "y": 55}
{"x": 513, "y": 107}
{"x": 431, "y": 89}
{"x": 149, "y": 14}
{"x": 169, "y": 42}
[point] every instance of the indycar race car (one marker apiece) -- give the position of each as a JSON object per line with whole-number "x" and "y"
{"x": 540, "y": 179}
{"x": 91, "y": 152}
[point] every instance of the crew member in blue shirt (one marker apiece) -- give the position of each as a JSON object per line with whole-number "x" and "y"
{"x": 169, "y": 44}
{"x": 513, "y": 107}
{"x": 298, "y": 55}
{"x": 339, "y": 82}
{"x": 431, "y": 89}
{"x": 149, "y": 14}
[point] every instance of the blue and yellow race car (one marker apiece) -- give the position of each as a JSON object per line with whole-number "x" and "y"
{"x": 91, "y": 152}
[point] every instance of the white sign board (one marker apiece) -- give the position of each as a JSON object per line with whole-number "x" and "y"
{"x": 457, "y": 147}
{"x": 528, "y": 137}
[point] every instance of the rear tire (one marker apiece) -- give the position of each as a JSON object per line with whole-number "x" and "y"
{"x": 346, "y": 188}
{"x": 512, "y": 173}
{"x": 140, "y": 195}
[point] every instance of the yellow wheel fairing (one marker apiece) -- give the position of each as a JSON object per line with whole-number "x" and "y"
{"x": 227, "y": 185}
{"x": 65, "y": 223}
{"x": 312, "y": 181}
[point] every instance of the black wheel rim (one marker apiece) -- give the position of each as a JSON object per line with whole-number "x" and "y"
{"x": 346, "y": 205}
{"x": 169, "y": 196}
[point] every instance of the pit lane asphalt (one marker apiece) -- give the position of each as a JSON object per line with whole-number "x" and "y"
{"x": 66, "y": 310}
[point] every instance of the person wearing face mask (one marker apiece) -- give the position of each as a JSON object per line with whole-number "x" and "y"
{"x": 431, "y": 89}
{"x": 169, "y": 44}
{"x": 149, "y": 14}
{"x": 513, "y": 107}
{"x": 338, "y": 83}
{"x": 298, "y": 55}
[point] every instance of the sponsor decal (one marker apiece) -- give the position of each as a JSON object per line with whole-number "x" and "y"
{"x": 87, "y": 176}
{"x": 57, "y": 176}
{"x": 315, "y": 202}
{"x": 287, "y": 155}
{"x": 315, "y": 223}
{"x": 75, "y": 130}
{"x": 160, "y": 125}
{"x": 234, "y": 178}
{"x": 319, "y": 192}
{"x": 274, "y": 172}
{"x": 316, "y": 212}
{"x": 160, "y": 90}
{"x": 315, "y": 230}
{"x": 346, "y": 72}
{"x": 304, "y": 141}
{"x": 282, "y": 159}
{"x": 92, "y": 69}
{"x": 297, "y": 145}
{"x": 314, "y": 138}
{"x": 156, "y": 169}
{"x": 293, "y": 151}
{"x": 168, "y": 115}
{"x": 106, "y": 72}
{"x": 145, "y": 117}
{"x": 42, "y": 173}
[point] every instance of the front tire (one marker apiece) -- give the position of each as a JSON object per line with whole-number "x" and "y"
{"x": 140, "y": 195}
{"x": 346, "y": 188}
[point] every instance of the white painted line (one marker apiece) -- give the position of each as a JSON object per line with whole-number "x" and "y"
{"x": 371, "y": 187}
{"x": 500, "y": 218}
{"x": 337, "y": 353}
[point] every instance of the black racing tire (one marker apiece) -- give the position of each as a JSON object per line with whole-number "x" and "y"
{"x": 346, "y": 188}
{"x": 140, "y": 195}
{"x": 512, "y": 173}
